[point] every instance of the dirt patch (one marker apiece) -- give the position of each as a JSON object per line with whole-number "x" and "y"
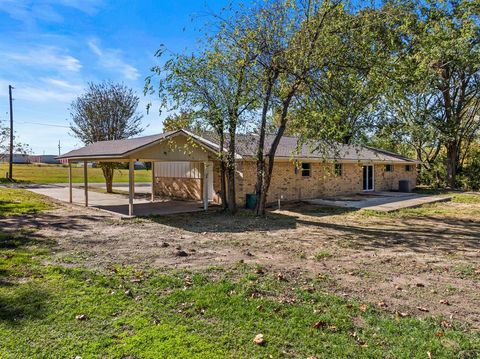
{"x": 414, "y": 265}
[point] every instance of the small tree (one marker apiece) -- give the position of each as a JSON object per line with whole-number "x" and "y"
{"x": 18, "y": 147}
{"x": 106, "y": 111}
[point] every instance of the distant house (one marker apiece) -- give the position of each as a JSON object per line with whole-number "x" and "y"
{"x": 17, "y": 158}
{"x": 48, "y": 159}
{"x": 300, "y": 171}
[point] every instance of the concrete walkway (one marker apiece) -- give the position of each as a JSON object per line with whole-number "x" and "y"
{"x": 140, "y": 187}
{"x": 117, "y": 203}
{"x": 381, "y": 201}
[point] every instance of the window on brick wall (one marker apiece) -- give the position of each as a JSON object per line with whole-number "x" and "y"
{"x": 408, "y": 168}
{"x": 388, "y": 168}
{"x": 338, "y": 169}
{"x": 306, "y": 169}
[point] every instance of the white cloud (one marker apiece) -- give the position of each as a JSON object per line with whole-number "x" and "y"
{"x": 111, "y": 59}
{"x": 47, "y": 90}
{"x": 30, "y": 11}
{"x": 48, "y": 57}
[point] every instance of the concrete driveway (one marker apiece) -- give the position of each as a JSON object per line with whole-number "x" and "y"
{"x": 117, "y": 203}
{"x": 380, "y": 201}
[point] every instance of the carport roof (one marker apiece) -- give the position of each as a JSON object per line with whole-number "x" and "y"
{"x": 289, "y": 147}
{"x": 121, "y": 148}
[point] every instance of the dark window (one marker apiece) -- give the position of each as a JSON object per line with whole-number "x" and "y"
{"x": 305, "y": 169}
{"x": 408, "y": 168}
{"x": 388, "y": 168}
{"x": 338, "y": 169}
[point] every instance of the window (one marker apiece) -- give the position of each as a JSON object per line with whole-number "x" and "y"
{"x": 305, "y": 169}
{"x": 388, "y": 168}
{"x": 338, "y": 169}
{"x": 408, "y": 168}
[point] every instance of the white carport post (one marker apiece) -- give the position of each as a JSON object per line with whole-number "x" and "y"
{"x": 152, "y": 167}
{"x": 85, "y": 182}
{"x": 131, "y": 186}
{"x": 69, "y": 181}
{"x": 206, "y": 166}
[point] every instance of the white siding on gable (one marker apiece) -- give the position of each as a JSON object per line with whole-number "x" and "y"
{"x": 178, "y": 169}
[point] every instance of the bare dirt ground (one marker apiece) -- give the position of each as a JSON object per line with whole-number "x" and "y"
{"x": 417, "y": 264}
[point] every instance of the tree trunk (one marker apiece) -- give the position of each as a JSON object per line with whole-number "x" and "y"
{"x": 273, "y": 149}
{"x": 231, "y": 200}
{"x": 259, "y": 185}
{"x": 108, "y": 174}
{"x": 223, "y": 184}
{"x": 452, "y": 164}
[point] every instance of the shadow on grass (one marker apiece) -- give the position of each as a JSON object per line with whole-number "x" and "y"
{"x": 26, "y": 303}
{"x": 16, "y": 241}
{"x": 419, "y": 234}
{"x": 51, "y": 220}
{"x": 221, "y": 222}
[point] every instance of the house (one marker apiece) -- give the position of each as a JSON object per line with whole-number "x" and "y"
{"x": 18, "y": 158}
{"x": 186, "y": 165}
{"x": 47, "y": 159}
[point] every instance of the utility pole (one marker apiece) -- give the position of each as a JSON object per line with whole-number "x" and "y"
{"x": 59, "y": 148}
{"x": 10, "y": 165}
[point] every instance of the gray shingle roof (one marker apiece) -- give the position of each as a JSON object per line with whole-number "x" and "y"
{"x": 289, "y": 147}
{"x": 115, "y": 148}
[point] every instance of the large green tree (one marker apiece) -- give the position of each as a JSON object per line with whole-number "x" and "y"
{"x": 106, "y": 111}
{"x": 445, "y": 58}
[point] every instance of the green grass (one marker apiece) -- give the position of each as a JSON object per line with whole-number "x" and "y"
{"x": 320, "y": 256}
{"x": 150, "y": 314}
{"x": 59, "y": 174}
{"x": 19, "y": 201}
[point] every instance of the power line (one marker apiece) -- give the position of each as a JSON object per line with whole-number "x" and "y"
{"x": 42, "y": 124}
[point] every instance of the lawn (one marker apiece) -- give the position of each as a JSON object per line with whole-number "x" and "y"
{"x": 59, "y": 174}
{"x": 62, "y": 312}
{"x": 18, "y": 201}
{"x": 92, "y": 286}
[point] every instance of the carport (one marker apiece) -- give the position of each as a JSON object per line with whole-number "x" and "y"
{"x": 170, "y": 147}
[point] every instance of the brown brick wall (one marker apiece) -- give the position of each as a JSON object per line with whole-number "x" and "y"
{"x": 387, "y": 181}
{"x": 322, "y": 181}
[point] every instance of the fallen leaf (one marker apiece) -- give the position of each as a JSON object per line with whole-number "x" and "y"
{"x": 420, "y": 285}
{"x": 429, "y": 355}
{"x": 320, "y": 324}
{"x": 397, "y": 287}
{"x": 401, "y": 314}
{"x": 259, "y": 340}
{"x": 422, "y": 309}
{"x": 439, "y": 334}
{"x": 363, "y": 307}
{"x": 281, "y": 277}
{"x": 81, "y": 317}
{"x": 445, "y": 324}
{"x": 382, "y": 304}
{"x": 444, "y": 301}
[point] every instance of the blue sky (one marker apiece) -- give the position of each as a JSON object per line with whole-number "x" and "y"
{"x": 50, "y": 49}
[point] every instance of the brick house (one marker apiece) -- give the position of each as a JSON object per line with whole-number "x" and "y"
{"x": 185, "y": 165}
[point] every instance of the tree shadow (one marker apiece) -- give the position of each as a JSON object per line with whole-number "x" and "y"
{"x": 26, "y": 304}
{"x": 50, "y": 220}
{"x": 420, "y": 234}
{"x": 219, "y": 221}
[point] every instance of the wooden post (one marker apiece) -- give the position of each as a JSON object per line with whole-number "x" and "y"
{"x": 70, "y": 181}
{"x": 205, "y": 186}
{"x": 153, "y": 180}
{"x": 85, "y": 182}
{"x": 131, "y": 187}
